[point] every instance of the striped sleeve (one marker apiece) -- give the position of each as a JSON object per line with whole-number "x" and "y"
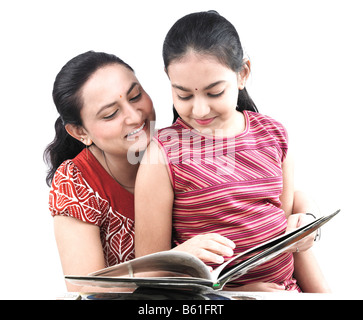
{"x": 275, "y": 130}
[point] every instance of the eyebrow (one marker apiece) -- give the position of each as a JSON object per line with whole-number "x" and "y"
{"x": 206, "y": 88}
{"x": 132, "y": 86}
{"x": 109, "y": 105}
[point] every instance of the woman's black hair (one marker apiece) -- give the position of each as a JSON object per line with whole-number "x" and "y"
{"x": 207, "y": 33}
{"x": 67, "y": 99}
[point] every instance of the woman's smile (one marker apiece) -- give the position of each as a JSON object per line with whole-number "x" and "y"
{"x": 137, "y": 130}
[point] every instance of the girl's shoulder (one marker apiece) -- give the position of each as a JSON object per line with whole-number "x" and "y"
{"x": 177, "y": 127}
{"x": 260, "y": 123}
{"x": 263, "y": 120}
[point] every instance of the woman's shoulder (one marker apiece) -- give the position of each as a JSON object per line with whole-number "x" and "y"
{"x": 67, "y": 173}
{"x": 71, "y": 195}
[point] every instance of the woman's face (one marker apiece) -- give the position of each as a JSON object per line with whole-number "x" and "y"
{"x": 117, "y": 113}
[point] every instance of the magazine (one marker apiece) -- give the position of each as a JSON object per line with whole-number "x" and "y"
{"x": 183, "y": 270}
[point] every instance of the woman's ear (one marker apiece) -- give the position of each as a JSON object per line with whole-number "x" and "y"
{"x": 244, "y": 74}
{"x": 78, "y": 133}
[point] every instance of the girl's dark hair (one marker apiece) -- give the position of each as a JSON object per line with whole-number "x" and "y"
{"x": 207, "y": 33}
{"x": 67, "y": 99}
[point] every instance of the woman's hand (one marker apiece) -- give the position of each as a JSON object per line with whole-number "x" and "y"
{"x": 295, "y": 221}
{"x": 211, "y": 247}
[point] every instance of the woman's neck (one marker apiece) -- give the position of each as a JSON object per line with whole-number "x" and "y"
{"x": 118, "y": 167}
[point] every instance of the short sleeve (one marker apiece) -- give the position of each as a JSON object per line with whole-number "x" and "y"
{"x": 279, "y": 133}
{"x": 70, "y": 195}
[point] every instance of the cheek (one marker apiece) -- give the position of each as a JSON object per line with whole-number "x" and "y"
{"x": 230, "y": 100}
{"x": 182, "y": 108}
{"x": 146, "y": 105}
{"x": 106, "y": 132}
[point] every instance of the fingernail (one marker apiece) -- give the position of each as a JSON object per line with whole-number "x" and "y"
{"x": 230, "y": 252}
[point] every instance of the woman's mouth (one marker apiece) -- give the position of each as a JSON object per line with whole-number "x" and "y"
{"x": 137, "y": 130}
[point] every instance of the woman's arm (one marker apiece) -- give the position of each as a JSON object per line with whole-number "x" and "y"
{"x": 295, "y": 204}
{"x": 79, "y": 248}
{"x": 307, "y": 271}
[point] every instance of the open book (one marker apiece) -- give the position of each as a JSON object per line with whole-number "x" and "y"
{"x": 186, "y": 271}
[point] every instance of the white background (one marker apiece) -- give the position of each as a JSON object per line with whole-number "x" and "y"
{"x": 307, "y": 68}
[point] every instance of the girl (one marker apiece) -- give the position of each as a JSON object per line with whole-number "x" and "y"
{"x": 105, "y": 118}
{"x": 221, "y": 167}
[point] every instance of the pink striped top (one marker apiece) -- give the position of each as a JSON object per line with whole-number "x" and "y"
{"x": 231, "y": 186}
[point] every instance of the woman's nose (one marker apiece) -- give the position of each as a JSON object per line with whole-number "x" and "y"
{"x": 132, "y": 114}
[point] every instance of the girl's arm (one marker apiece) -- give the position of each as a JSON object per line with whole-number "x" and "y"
{"x": 154, "y": 197}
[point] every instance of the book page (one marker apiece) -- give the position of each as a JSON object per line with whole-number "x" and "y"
{"x": 158, "y": 264}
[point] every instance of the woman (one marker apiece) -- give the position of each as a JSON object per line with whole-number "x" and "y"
{"x": 105, "y": 121}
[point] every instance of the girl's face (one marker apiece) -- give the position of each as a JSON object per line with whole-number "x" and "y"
{"x": 117, "y": 113}
{"x": 205, "y": 94}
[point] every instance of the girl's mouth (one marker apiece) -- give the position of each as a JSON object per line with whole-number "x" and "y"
{"x": 204, "y": 122}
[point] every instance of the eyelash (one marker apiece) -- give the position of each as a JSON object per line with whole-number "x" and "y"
{"x": 215, "y": 95}
{"x": 110, "y": 116}
{"x": 137, "y": 97}
{"x": 209, "y": 95}
{"x": 134, "y": 99}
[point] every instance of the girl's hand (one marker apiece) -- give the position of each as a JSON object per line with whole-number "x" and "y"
{"x": 295, "y": 221}
{"x": 210, "y": 248}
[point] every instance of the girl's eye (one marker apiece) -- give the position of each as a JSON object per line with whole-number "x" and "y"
{"x": 184, "y": 98}
{"x": 136, "y": 98}
{"x": 215, "y": 95}
{"x": 110, "y": 116}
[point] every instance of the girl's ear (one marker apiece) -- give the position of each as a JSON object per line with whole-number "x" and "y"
{"x": 78, "y": 133}
{"x": 244, "y": 74}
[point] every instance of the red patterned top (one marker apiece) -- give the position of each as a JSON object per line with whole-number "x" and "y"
{"x": 81, "y": 188}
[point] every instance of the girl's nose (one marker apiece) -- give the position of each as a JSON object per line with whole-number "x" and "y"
{"x": 200, "y": 108}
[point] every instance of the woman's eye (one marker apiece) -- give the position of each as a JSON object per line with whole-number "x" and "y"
{"x": 111, "y": 115}
{"x": 215, "y": 95}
